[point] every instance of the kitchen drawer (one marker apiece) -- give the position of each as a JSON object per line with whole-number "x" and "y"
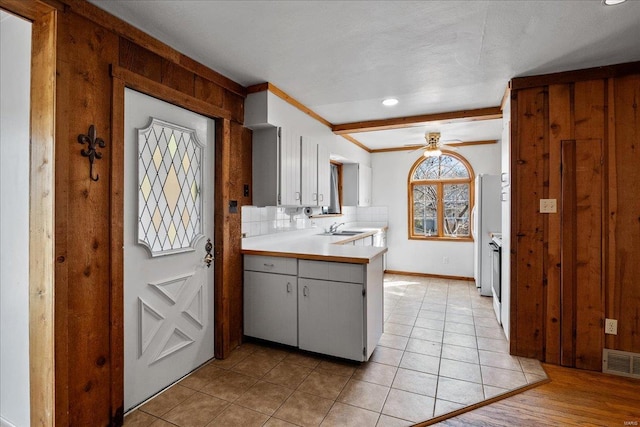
{"x": 333, "y": 271}
{"x": 271, "y": 264}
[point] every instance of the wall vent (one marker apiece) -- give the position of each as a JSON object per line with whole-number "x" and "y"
{"x": 621, "y": 363}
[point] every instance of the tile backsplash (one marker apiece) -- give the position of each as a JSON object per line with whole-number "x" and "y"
{"x": 257, "y": 221}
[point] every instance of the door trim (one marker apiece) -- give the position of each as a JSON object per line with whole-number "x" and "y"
{"x": 41, "y": 220}
{"x": 43, "y": 18}
{"x": 123, "y": 78}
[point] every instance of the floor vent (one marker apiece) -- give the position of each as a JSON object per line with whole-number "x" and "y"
{"x": 621, "y": 363}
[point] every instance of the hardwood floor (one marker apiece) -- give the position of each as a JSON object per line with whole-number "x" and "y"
{"x": 572, "y": 397}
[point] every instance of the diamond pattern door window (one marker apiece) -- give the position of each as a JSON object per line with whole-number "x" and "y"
{"x": 169, "y": 183}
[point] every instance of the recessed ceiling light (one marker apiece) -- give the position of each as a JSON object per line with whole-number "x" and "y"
{"x": 612, "y": 2}
{"x": 389, "y": 102}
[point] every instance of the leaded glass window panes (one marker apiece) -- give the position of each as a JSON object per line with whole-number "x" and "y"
{"x": 169, "y": 182}
{"x": 440, "y": 167}
{"x": 441, "y": 198}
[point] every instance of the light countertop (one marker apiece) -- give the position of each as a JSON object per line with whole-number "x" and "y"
{"x": 313, "y": 244}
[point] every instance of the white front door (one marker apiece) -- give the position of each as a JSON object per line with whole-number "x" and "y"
{"x": 168, "y": 219}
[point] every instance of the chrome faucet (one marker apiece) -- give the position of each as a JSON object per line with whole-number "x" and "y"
{"x": 334, "y": 227}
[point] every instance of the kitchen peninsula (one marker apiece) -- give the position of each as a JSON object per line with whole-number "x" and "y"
{"x": 319, "y": 292}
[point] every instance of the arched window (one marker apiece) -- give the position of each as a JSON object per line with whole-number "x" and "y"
{"x": 440, "y": 198}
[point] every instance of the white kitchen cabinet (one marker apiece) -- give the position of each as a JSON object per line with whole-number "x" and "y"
{"x": 356, "y": 184}
{"x": 288, "y": 169}
{"x": 340, "y": 307}
{"x": 333, "y": 271}
{"x": 364, "y": 185}
{"x": 366, "y": 241}
{"x": 276, "y": 167}
{"x": 380, "y": 240}
{"x": 271, "y": 299}
{"x": 315, "y": 173}
{"x": 324, "y": 176}
{"x": 330, "y": 318}
{"x": 332, "y": 308}
{"x": 309, "y": 172}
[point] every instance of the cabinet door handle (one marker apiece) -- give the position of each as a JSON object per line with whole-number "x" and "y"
{"x": 268, "y": 265}
{"x": 297, "y": 195}
{"x": 305, "y": 291}
{"x": 321, "y": 197}
{"x": 315, "y": 197}
{"x": 288, "y": 287}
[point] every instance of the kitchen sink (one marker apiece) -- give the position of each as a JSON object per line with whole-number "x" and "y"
{"x": 346, "y": 233}
{"x": 342, "y": 233}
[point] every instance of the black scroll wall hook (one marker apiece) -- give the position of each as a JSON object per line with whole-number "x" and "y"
{"x": 91, "y": 152}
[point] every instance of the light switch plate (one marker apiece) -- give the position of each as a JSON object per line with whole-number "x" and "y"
{"x": 548, "y": 206}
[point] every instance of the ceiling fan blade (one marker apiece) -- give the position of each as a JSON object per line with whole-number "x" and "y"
{"x": 449, "y": 147}
{"x": 419, "y": 147}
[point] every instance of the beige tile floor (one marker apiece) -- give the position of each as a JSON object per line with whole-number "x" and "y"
{"x": 442, "y": 350}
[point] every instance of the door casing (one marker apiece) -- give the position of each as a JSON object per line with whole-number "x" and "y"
{"x": 44, "y": 20}
{"x": 123, "y": 78}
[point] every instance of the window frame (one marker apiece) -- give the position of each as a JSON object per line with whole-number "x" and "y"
{"x": 439, "y": 183}
{"x": 339, "y": 166}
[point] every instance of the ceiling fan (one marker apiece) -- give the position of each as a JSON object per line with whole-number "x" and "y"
{"x": 433, "y": 146}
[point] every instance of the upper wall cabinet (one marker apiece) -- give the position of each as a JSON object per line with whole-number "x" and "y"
{"x": 356, "y": 184}
{"x": 291, "y": 167}
{"x": 324, "y": 176}
{"x": 276, "y": 167}
{"x": 309, "y": 164}
{"x": 316, "y": 170}
{"x": 266, "y": 109}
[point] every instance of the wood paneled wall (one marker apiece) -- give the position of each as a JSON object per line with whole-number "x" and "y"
{"x": 576, "y": 138}
{"x": 90, "y": 45}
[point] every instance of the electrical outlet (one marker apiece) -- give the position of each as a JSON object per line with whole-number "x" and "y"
{"x": 611, "y": 326}
{"x": 445, "y": 260}
{"x": 548, "y": 206}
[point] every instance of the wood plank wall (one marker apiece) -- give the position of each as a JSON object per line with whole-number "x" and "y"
{"x": 623, "y": 290}
{"x": 87, "y": 47}
{"x": 576, "y": 138}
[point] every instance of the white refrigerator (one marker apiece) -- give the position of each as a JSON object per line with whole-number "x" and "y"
{"x": 487, "y": 219}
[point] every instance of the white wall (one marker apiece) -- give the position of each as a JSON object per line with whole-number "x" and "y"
{"x": 506, "y": 219}
{"x": 15, "y": 58}
{"x": 390, "y": 178}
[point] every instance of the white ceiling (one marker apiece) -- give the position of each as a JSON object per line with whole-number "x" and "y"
{"x": 342, "y": 58}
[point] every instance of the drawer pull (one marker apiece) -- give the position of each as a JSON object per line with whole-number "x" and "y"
{"x": 288, "y": 287}
{"x": 305, "y": 291}
{"x": 268, "y": 265}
